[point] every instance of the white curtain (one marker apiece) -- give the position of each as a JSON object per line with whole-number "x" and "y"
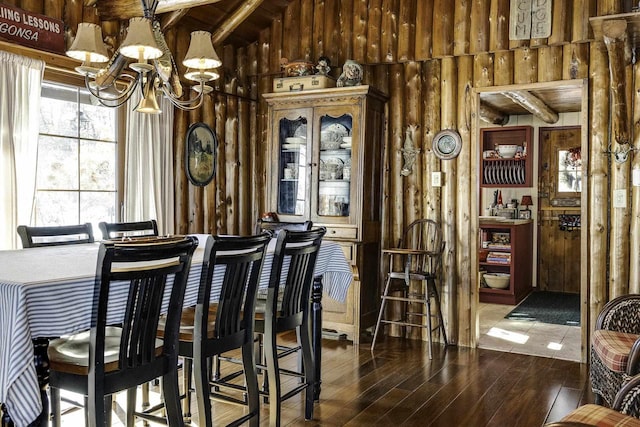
{"x": 20, "y": 81}
{"x": 148, "y": 181}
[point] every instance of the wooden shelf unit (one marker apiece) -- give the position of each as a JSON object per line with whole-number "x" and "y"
{"x": 520, "y": 268}
{"x": 497, "y": 172}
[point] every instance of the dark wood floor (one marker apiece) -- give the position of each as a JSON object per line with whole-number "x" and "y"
{"x": 399, "y": 385}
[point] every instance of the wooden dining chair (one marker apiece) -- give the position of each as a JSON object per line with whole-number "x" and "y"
{"x": 275, "y": 226}
{"x": 417, "y": 258}
{"x": 286, "y": 308}
{"x": 111, "y": 230}
{"x": 221, "y": 321}
{"x": 121, "y": 349}
{"x": 33, "y": 237}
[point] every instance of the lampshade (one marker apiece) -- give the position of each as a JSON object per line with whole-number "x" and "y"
{"x": 88, "y": 45}
{"x": 526, "y": 201}
{"x": 201, "y": 54}
{"x": 140, "y": 42}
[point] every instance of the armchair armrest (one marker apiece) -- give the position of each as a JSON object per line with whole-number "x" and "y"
{"x": 627, "y": 399}
{"x": 621, "y": 314}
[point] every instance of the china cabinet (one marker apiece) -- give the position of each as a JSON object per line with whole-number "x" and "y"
{"x": 506, "y": 156}
{"x": 325, "y": 148}
{"x": 506, "y": 250}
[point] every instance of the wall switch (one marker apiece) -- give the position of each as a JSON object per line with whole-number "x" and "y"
{"x": 436, "y": 179}
{"x": 636, "y": 177}
{"x": 619, "y": 198}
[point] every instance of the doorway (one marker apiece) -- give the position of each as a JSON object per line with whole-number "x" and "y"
{"x": 563, "y": 97}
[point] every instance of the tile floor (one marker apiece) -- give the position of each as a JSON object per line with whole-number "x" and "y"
{"x": 532, "y": 338}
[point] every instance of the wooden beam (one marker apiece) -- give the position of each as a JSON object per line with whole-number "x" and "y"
{"x": 533, "y": 104}
{"x": 614, "y": 33}
{"x": 235, "y": 19}
{"x": 492, "y": 115}
{"x": 171, "y": 19}
{"x": 126, "y": 9}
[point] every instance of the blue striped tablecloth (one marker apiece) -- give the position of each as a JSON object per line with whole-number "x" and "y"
{"x": 48, "y": 292}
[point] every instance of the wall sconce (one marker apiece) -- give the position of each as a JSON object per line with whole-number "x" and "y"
{"x": 621, "y": 154}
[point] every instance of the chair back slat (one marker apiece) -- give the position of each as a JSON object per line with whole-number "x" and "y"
{"x": 424, "y": 235}
{"x": 111, "y": 230}
{"x": 33, "y": 237}
{"x": 240, "y": 261}
{"x": 147, "y": 286}
{"x": 301, "y": 249}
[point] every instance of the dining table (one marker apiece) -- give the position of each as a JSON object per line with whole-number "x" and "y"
{"x": 47, "y": 292}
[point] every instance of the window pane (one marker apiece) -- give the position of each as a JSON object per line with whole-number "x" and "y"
{"x": 96, "y": 207}
{"x": 568, "y": 173}
{"x": 57, "y": 163}
{"x": 98, "y": 165}
{"x": 97, "y": 122}
{"x": 57, "y": 208}
{"x": 59, "y": 116}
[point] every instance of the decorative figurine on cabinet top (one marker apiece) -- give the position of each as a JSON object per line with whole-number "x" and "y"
{"x": 352, "y": 74}
{"x": 324, "y": 66}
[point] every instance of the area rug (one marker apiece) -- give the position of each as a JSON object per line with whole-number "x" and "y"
{"x": 548, "y": 307}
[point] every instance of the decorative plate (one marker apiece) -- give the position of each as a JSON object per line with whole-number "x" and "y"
{"x": 447, "y": 144}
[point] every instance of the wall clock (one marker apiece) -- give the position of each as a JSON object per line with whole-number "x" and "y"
{"x": 447, "y": 144}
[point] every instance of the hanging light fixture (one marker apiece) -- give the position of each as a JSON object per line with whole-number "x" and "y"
{"x": 112, "y": 85}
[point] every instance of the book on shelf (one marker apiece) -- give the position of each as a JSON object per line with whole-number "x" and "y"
{"x": 500, "y": 246}
{"x": 499, "y": 257}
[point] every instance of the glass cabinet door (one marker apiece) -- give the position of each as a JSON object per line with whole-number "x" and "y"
{"x": 292, "y": 166}
{"x": 334, "y": 178}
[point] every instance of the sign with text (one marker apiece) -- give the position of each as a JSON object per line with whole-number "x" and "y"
{"x": 31, "y": 29}
{"x": 530, "y": 19}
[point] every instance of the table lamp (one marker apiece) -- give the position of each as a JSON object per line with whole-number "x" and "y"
{"x": 526, "y": 202}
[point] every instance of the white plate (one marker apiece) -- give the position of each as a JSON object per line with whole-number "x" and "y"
{"x": 337, "y": 128}
{"x": 294, "y": 140}
{"x": 291, "y": 146}
{"x": 301, "y": 131}
{"x": 347, "y": 146}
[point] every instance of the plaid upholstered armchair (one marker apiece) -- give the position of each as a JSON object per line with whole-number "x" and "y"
{"x": 615, "y": 347}
{"x": 625, "y": 410}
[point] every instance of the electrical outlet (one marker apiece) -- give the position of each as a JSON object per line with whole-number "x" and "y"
{"x": 436, "y": 179}
{"x": 620, "y": 198}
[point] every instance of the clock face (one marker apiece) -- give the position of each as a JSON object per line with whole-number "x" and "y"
{"x": 447, "y": 144}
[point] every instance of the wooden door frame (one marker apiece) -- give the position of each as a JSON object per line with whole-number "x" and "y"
{"x": 583, "y": 85}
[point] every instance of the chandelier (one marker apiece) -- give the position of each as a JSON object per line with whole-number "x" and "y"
{"x": 151, "y": 67}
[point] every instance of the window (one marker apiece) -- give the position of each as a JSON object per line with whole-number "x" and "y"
{"x": 569, "y": 171}
{"x": 77, "y": 159}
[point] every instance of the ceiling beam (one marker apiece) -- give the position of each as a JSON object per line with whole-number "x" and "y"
{"x": 492, "y": 115}
{"x": 533, "y": 104}
{"x": 126, "y": 9}
{"x": 240, "y": 14}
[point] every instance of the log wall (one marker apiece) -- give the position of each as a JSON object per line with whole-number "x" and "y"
{"x": 427, "y": 56}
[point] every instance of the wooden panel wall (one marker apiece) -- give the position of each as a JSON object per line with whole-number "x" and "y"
{"x": 427, "y": 55}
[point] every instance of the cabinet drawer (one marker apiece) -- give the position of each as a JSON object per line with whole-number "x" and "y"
{"x": 342, "y": 233}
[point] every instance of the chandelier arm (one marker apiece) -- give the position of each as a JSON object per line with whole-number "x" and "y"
{"x": 120, "y": 99}
{"x": 186, "y": 105}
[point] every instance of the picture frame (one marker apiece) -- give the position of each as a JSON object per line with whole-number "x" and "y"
{"x": 524, "y": 214}
{"x": 201, "y": 148}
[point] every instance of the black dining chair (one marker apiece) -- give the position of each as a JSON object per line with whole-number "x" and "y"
{"x": 275, "y": 226}
{"x": 221, "y": 321}
{"x": 33, "y": 237}
{"x": 111, "y": 230}
{"x": 121, "y": 350}
{"x": 286, "y": 308}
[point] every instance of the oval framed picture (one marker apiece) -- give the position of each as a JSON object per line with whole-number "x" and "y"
{"x": 200, "y": 154}
{"x": 447, "y": 144}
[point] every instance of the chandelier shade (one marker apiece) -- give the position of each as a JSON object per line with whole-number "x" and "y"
{"x": 88, "y": 45}
{"x": 201, "y": 54}
{"x": 140, "y": 43}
